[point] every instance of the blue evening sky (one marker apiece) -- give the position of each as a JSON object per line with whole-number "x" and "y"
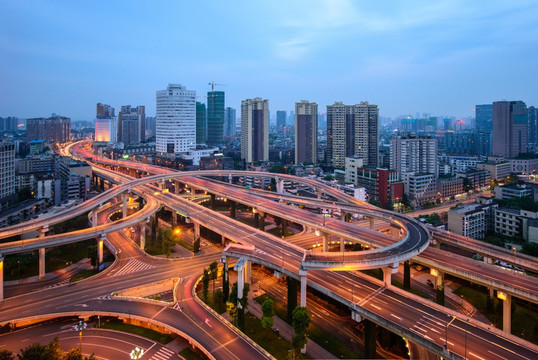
{"x": 440, "y": 57}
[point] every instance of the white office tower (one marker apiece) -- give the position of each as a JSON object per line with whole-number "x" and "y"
{"x": 105, "y": 130}
{"x": 175, "y": 120}
{"x": 255, "y": 130}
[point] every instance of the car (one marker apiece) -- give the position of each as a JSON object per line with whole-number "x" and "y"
{"x": 430, "y": 283}
{"x": 418, "y": 267}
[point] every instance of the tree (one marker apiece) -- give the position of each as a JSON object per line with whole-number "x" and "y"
{"x": 6, "y": 355}
{"x": 268, "y": 313}
{"x": 32, "y": 352}
{"x": 530, "y": 248}
{"x": 53, "y": 350}
{"x": 166, "y": 240}
{"x": 240, "y": 310}
{"x": 205, "y": 282}
{"x": 24, "y": 194}
{"x": 213, "y": 272}
{"x": 92, "y": 254}
{"x": 75, "y": 354}
{"x": 231, "y": 309}
{"x": 300, "y": 322}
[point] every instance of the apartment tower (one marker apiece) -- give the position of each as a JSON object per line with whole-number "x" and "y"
{"x": 306, "y": 132}
{"x": 255, "y": 130}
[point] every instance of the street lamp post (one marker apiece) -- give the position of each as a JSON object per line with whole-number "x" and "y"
{"x": 137, "y": 353}
{"x": 515, "y": 251}
{"x": 80, "y": 327}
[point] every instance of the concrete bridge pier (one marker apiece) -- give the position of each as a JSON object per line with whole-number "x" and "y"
{"x": 439, "y": 286}
{"x": 248, "y": 272}
{"x": 387, "y": 273}
{"x": 372, "y": 222}
{"x": 507, "y": 312}
{"x": 225, "y": 286}
{"x": 142, "y": 235}
{"x": 124, "y": 204}
{"x": 41, "y": 263}
{"x": 230, "y": 179}
{"x": 193, "y": 192}
{"x": 100, "y": 249}
{"x": 223, "y": 240}
{"x": 279, "y": 185}
{"x": 240, "y": 268}
{"x": 212, "y": 203}
{"x": 342, "y": 244}
{"x": 487, "y": 260}
{"x": 325, "y": 242}
{"x": 407, "y": 275}
{"x": 260, "y": 216}
{"x": 232, "y": 209}
{"x": 176, "y": 187}
{"x": 284, "y": 226}
{"x": 292, "y": 296}
{"x": 1, "y": 277}
{"x": 302, "y": 274}
{"x": 196, "y": 242}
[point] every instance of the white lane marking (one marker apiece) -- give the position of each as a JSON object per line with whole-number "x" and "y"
{"x": 497, "y": 355}
{"x": 377, "y": 307}
{"x": 397, "y": 317}
{"x": 481, "y": 358}
{"x": 207, "y": 322}
{"x": 443, "y": 340}
{"x": 420, "y": 329}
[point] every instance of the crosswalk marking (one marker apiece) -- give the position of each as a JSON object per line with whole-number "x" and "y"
{"x": 162, "y": 354}
{"x": 61, "y": 283}
{"x": 132, "y": 266}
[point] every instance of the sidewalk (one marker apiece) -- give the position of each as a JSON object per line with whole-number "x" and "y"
{"x": 83, "y": 264}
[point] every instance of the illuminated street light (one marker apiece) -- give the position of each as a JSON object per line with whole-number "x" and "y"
{"x": 137, "y": 353}
{"x": 80, "y": 327}
{"x": 177, "y": 231}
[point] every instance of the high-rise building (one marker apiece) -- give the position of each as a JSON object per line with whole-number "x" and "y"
{"x": 229, "y": 122}
{"x": 281, "y": 119}
{"x": 255, "y": 130}
{"x": 105, "y": 130}
{"x": 416, "y": 155}
{"x": 484, "y": 117}
{"x": 55, "y": 129}
{"x": 509, "y": 137}
{"x": 7, "y": 173}
{"x": 132, "y": 124}
{"x": 306, "y": 131}
{"x": 201, "y": 123}
{"x": 532, "y": 128}
{"x": 215, "y": 117}
{"x": 150, "y": 126}
{"x": 104, "y": 111}
{"x": 352, "y": 130}
{"x": 9, "y": 124}
{"x": 467, "y": 143}
{"x": 176, "y": 120}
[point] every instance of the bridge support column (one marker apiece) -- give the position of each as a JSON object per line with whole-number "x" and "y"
{"x": 196, "y": 241}
{"x": 161, "y": 185}
{"x": 193, "y": 192}
{"x": 292, "y": 296}
{"x": 225, "y": 281}
{"x": 369, "y": 340}
{"x": 407, "y": 275}
{"x": 372, "y": 222}
{"x": 230, "y": 179}
{"x": 284, "y": 226}
{"x": 489, "y": 299}
{"x": 387, "y": 273}
{"x": 1, "y": 277}
{"x": 240, "y": 268}
{"x": 232, "y": 209}
{"x": 212, "y": 203}
{"x": 507, "y": 313}
{"x": 41, "y": 263}
{"x": 174, "y": 218}
{"x": 142, "y": 235}
{"x": 302, "y": 274}
{"x": 124, "y": 204}
{"x": 100, "y": 249}
{"x": 43, "y": 231}
{"x": 279, "y": 185}
{"x": 223, "y": 240}
{"x": 248, "y": 272}
{"x": 176, "y": 187}
{"x": 325, "y": 242}
{"x": 440, "y": 287}
{"x": 318, "y": 194}
{"x": 261, "y": 221}
{"x": 487, "y": 260}
{"x": 342, "y": 244}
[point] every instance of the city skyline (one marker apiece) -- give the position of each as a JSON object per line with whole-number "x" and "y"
{"x": 441, "y": 58}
